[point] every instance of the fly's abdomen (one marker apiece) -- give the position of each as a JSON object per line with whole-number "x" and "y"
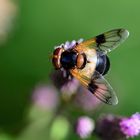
{"x": 103, "y": 63}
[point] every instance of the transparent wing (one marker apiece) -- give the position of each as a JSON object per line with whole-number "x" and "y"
{"x": 105, "y": 42}
{"x": 98, "y": 86}
{"x": 102, "y": 89}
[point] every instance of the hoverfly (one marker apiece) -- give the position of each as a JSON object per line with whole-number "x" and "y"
{"x": 88, "y": 62}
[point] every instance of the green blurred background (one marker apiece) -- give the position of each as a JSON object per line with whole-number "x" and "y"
{"x": 43, "y": 24}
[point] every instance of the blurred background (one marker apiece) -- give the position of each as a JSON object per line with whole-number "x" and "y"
{"x": 30, "y": 29}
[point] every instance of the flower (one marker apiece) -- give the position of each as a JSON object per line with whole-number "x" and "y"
{"x": 130, "y": 127}
{"x": 107, "y": 128}
{"x": 84, "y": 126}
{"x": 72, "y": 44}
{"x": 67, "y": 86}
{"x": 45, "y": 97}
{"x": 115, "y": 127}
{"x": 85, "y": 100}
{"x": 69, "y": 45}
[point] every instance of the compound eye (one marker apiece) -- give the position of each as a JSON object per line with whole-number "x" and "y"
{"x": 56, "y": 58}
{"x": 57, "y": 51}
{"x": 81, "y": 61}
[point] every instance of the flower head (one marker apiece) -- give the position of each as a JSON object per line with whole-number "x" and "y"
{"x": 69, "y": 45}
{"x": 65, "y": 85}
{"x": 85, "y": 100}
{"x": 115, "y": 127}
{"x": 130, "y": 127}
{"x": 84, "y": 127}
{"x": 107, "y": 128}
{"x": 69, "y": 88}
{"x": 45, "y": 97}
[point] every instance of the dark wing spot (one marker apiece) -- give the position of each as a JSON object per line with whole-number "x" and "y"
{"x": 92, "y": 87}
{"x": 100, "y": 39}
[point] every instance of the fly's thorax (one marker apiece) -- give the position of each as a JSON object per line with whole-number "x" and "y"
{"x": 92, "y": 56}
{"x": 72, "y": 59}
{"x": 68, "y": 59}
{"x": 91, "y": 60}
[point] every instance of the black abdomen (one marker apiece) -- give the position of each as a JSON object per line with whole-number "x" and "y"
{"x": 103, "y": 63}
